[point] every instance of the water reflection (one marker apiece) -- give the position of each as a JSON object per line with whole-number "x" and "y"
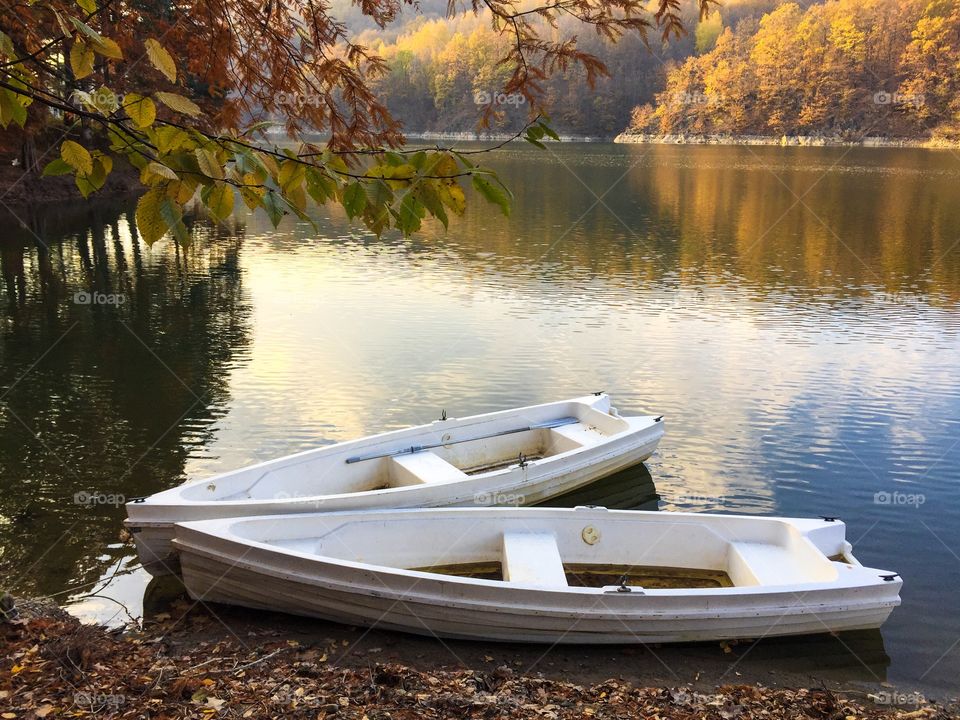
{"x": 114, "y": 362}
{"x": 804, "y": 352}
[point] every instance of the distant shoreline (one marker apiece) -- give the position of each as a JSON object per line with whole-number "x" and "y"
{"x": 497, "y": 137}
{"x": 628, "y": 138}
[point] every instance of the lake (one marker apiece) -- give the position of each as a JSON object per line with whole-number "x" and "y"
{"x": 793, "y": 312}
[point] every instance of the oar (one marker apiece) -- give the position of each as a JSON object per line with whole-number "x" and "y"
{"x": 419, "y": 448}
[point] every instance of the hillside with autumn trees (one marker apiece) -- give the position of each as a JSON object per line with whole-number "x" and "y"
{"x": 441, "y": 69}
{"x": 845, "y": 69}
{"x": 841, "y": 68}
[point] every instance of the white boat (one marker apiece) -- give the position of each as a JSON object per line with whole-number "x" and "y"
{"x": 514, "y": 457}
{"x": 581, "y": 575}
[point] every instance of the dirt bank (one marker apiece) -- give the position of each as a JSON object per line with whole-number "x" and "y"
{"x": 18, "y": 188}
{"x": 782, "y": 140}
{"x": 192, "y": 663}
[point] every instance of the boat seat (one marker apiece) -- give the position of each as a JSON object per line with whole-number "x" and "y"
{"x": 424, "y": 467}
{"x": 753, "y": 563}
{"x": 533, "y": 559}
{"x": 571, "y": 437}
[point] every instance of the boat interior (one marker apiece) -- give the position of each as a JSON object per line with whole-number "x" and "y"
{"x": 446, "y": 451}
{"x": 581, "y": 551}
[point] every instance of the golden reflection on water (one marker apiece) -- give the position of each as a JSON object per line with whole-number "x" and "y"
{"x": 804, "y": 351}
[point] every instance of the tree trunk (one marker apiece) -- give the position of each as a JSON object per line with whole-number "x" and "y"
{"x": 28, "y": 155}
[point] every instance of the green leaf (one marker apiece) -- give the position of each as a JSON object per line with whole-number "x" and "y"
{"x": 428, "y": 194}
{"x": 178, "y": 103}
{"x": 492, "y": 193}
{"x": 150, "y": 221}
{"x": 274, "y": 210}
{"x": 209, "y": 165}
{"x": 86, "y": 30}
{"x": 219, "y": 200}
{"x": 173, "y": 216}
{"x": 161, "y": 59}
{"x": 377, "y": 214}
{"x": 77, "y": 157}
{"x": 549, "y": 131}
{"x": 57, "y": 167}
{"x": 320, "y": 186}
{"x": 88, "y": 6}
{"x": 409, "y": 214}
{"x": 354, "y": 199}
{"x": 140, "y": 109}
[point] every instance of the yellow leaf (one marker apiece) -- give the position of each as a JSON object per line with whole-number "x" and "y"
{"x": 209, "y": 165}
{"x": 452, "y": 196}
{"x": 81, "y": 60}
{"x": 140, "y": 109}
{"x": 108, "y": 48}
{"x": 178, "y": 103}
{"x": 150, "y": 222}
{"x": 155, "y": 173}
{"x": 76, "y": 156}
{"x": 161, "y": 59}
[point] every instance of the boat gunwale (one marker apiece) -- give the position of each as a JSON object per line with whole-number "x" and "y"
{"x": 859, "y": 574}
{"x": 159, "y": 500}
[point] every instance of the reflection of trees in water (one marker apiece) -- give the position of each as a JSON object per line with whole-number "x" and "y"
{"x": 819, "y": 223}
{"x": 103, "y": 398}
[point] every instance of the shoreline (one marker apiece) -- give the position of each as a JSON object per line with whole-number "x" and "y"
{"x": 197, "y": 660}
{"x": 499, "y": 137}
{"x": 628, "y": 138}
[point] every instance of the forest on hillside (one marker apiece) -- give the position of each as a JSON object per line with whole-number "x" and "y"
{"x": 843, "y": 68}
{"x": 764, "y": 67}
{"x": 442, "y": 69}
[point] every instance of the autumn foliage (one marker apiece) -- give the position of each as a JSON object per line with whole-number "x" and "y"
{"x": 849, "y": 68}
{"x": 183, "y": 91}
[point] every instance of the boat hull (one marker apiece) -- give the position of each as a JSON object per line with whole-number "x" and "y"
{"x": 223, "y": 569}
{"x": 152, "y": 523}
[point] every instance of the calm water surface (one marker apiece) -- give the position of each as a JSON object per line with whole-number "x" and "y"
{"x": 795, "y": 314}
